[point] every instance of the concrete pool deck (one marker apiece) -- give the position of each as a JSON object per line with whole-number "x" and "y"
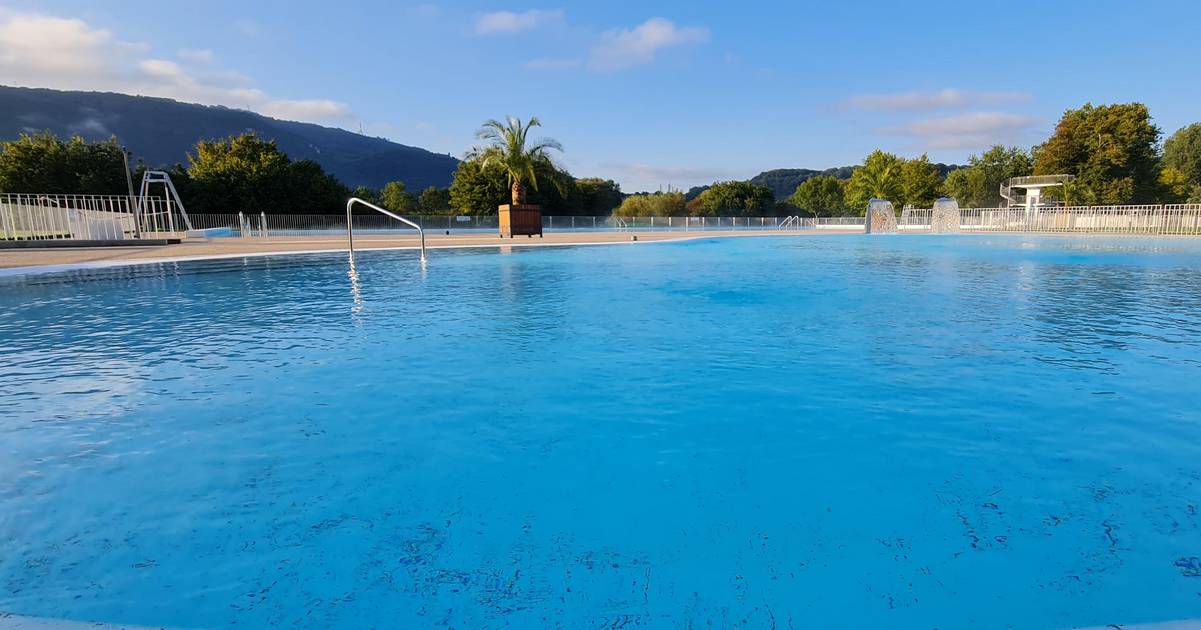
{"x": 56, "y": 257}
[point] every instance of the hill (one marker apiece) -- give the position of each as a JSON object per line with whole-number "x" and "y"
{"x": 161, "y": 131}
{"x": 783, "y": 181}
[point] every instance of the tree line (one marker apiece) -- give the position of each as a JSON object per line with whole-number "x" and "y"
{"x": 246, "y": 173}
{"x": 1114, "y": 152}
{"x": 240, "y": 174}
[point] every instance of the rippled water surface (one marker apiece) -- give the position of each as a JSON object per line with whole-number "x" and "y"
{"x": 834, "y": 431}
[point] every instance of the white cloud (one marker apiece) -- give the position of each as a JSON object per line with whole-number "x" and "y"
{"x": 196, "y": 55}
{"x": 164, "y": 70}
{"x": 973, "y": 122}
{"x": 31, "y": 44}
{"x": 552, "y": 64}
{"x": 511, "y": 22}
{"x": 623, "y": 48}
{"x": 313, "y": 109}
{"x": 91, "y": 127}
{"x": 948, "y": 98}
{"x": 965, "y": 131}
{"x": 68, "y": 54}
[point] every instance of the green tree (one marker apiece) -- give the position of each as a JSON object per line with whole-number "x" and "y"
{"x": 434, "y": 200}
{"x": 734, "y": 199}
{"x": 878, "y": 178}
{"x": 658, "y": 204}
{"x": 920, "y": 182}
{"x": 248, "y": 174}
{"x": 43, "y": 163}
{"x": 1175, "y": 186}
{"x": 1111, "y": 149}
{"x": 823, "y": 195}
{"x": 560, "y": 199}
{"x": 597, "y": 197}
{"x": 394, "y": 197}
{"x": 477, "y": 189}
{"x": 521, "y": 158}
{"x": 1182, "y": 164}
{"x": 240, "y": 174}
{"x": 368, "y": 194}
{"x": 961, "y": 185}
{"x": 978, "y": 185}
{"x": 309, "y": 189}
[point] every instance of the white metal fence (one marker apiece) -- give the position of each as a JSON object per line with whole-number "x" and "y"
{"x": 1179, "y": 219}
{"x": 835, "y": 223}
{"x": 1147, "y": 219}
{"x": 217, "y": 225}
{"x": 90, "y": 217}
{"x": 85, "y": 217}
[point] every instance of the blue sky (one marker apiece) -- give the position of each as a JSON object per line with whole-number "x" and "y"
{"x": 649, "y": 94}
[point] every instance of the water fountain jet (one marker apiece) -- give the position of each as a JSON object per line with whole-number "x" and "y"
{"x": 944, "y": 218}
{"x": 880, "y": 218}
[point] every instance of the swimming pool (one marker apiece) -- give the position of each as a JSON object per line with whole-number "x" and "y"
{"x": 825, "y": 431}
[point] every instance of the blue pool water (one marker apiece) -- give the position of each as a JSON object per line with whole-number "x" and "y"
{"x": 826, "y": 431}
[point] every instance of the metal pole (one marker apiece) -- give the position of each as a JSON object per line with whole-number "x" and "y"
{"x": 137, "y": 228}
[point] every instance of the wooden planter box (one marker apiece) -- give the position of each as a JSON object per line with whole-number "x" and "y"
{"x": 519, "y": 220}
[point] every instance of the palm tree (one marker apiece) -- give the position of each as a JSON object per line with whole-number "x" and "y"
{"x": 882, "y": 180}
{"x": 507, "y": 148}
{"x": 878, "y": 178}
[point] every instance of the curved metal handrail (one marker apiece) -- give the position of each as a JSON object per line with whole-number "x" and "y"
{"x": 792, "y": 222}
{"x": 350, "y": 224}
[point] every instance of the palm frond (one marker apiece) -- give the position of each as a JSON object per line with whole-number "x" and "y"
{"x": 509, "y": 146}
{"x": 492, "y": 129}
{"x": 543, "y": 145}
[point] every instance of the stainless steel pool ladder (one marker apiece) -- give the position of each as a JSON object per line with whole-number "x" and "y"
{"x": 350, "y": 224}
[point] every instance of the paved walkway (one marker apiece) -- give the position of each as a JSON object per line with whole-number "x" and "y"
{"x": 224, "y": 247}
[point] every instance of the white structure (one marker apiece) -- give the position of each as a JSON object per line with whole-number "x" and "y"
{"x": 158, "y": 215}
{"x": 1032, "y": 187}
